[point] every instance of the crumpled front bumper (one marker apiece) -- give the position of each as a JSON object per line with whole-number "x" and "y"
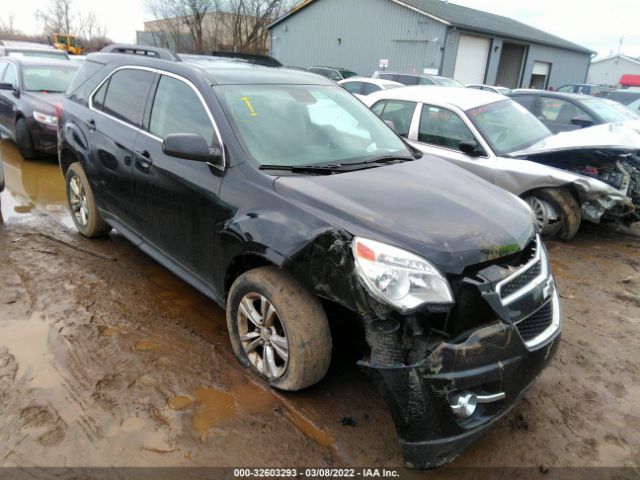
{"x": 493, "y": 359}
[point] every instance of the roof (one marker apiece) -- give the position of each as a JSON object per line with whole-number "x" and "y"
{"x": 618, "y": 57}
{"x": 463, "y": 98}
{"x": 471, "y": 19}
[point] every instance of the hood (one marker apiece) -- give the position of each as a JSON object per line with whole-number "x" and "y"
{"x": 614, "y": 136}
{"x": 49, "y": 100}
{"x": 429, "y": 206}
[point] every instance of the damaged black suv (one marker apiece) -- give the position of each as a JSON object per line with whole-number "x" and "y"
{"x": 279, "y": 195}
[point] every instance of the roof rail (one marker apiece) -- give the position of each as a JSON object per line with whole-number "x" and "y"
{"x": 144, "y": 50}
{"x": 256, "y": 58}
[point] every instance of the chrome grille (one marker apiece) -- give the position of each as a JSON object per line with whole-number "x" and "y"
{"x": 526, "y": 277}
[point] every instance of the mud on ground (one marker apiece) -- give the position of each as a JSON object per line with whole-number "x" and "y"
{"x": 120, "y": 363}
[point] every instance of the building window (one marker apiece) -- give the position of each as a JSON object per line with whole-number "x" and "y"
{"x": 540, "y": 75}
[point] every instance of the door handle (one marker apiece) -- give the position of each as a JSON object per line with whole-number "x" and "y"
{"x": 91, "y": 124}
{"x": 143, "y": 161}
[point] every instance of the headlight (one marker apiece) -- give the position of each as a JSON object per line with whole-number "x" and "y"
{"x": 46, "y": 119}
{"x": 398, "y": 277}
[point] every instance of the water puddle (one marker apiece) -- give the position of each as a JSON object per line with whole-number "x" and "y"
{"x": 213, "y": 407}
{"x": 27, "y": 340}
{"x": 31, "y": 187}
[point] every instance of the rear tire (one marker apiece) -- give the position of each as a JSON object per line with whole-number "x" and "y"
{"x": 297, "y": 325}
{"x": 82, "y": 203}
{"x": 24, "y": 141}
{"x": 567, "y": 208}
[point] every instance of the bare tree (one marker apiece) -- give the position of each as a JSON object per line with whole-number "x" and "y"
{"x": 57, "y": 18}
{"x": 189, "y": 13}
{"x": 167, "y": 27}
{"x": 248, "y": 22}
{"x": 7, "y": 25}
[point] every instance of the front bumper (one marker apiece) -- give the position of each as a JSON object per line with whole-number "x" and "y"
{"x": 44, "y": 137}
{"x": 492, "y": 360}
{"x": 514, "y": 340}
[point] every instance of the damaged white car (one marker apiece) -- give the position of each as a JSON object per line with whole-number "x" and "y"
{"x": 590, "y": 174}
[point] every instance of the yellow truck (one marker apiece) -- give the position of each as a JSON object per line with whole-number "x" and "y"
{"x": 68, "y": 43}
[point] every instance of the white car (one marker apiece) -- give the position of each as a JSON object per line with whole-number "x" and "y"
{"x": 363, "y": 86}
{"x": 490, "y": 88}
{"x": 591, "y": 174}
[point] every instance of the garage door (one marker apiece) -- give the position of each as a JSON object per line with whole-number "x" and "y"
{"x": 471, "y": 60}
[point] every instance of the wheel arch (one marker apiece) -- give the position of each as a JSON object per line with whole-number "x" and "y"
{"x": 242, "y": 263}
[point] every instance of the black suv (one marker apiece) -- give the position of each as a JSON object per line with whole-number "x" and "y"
{"x": 281, "y": 196}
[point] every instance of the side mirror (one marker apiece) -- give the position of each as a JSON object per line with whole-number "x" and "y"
{"x": 582, "y": 121}
{"x": 190, "y": 146}
{"x": 471, "y": 148}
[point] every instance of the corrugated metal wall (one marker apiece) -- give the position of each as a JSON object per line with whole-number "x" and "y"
{"x": 357, "y": 34}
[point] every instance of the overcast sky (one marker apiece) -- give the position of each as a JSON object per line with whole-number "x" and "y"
{"x": 596, "y": 25}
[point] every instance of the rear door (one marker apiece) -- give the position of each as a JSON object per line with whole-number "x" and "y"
{"x": 178, "y": 197}
{"x": 112, "y": 126}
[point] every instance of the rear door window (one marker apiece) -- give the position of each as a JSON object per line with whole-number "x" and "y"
{"x": 400, "y": 113}
{"x": 443, "y": 128}
{"x": 127, "y": 94}
{"x": 178, "y": 109}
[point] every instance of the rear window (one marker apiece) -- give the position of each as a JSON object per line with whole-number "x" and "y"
{"x": 86, "y": 71}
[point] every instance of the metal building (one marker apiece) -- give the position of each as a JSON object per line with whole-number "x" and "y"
{"x": 608, "y": 71}
{"x": 431, "y": 36}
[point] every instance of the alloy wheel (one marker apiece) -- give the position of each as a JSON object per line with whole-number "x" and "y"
{"x": 78, "y": 201}
{"x": 263, "y": 335}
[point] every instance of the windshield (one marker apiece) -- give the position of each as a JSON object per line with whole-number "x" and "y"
{"x": 447, "y": 82}
{"x": 38, "y": 54}
{"x": 508, "y": 126}
{"x": 48, "y": 78}
{"x": 296, "y": 125}
{"x": 610, "y": 111}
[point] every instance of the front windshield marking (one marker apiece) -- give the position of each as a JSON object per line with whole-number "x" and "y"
{"x": 47, "y": 78}
{"x": 297, "y": 125}
{"x": 507, "y": 126}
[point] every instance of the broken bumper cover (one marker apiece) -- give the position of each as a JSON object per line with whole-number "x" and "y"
{"x": 492, "y": 360}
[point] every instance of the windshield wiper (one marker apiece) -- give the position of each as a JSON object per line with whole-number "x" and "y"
{"x": 384, "y": 159}
{"x": 322, "y": 169}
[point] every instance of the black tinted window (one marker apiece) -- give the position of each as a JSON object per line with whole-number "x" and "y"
{"x": 527, "y": 101}
{"x": 408, "y": 79}
{"x": 127, "y": 93}
{"x": 177, "y": 109}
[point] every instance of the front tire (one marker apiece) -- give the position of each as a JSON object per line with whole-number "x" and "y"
{"x": 82, "y": 203}
{"x": 278, "y": 329}
{"x": 557, "y": 212}
{"x": 24, "y": 141}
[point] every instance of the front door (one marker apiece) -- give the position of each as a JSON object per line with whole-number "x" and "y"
{"x": 177, "y": 197}
{"x": 440, "y": 132}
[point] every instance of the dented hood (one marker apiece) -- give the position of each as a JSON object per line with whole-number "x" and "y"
{"x": 611, "y": 136}
{"x": 430, "y": 207}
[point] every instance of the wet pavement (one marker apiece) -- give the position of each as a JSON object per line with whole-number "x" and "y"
{"x": 120, "y": 363}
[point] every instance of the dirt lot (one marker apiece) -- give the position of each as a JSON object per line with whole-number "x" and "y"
{"x": 115, "y": 361}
